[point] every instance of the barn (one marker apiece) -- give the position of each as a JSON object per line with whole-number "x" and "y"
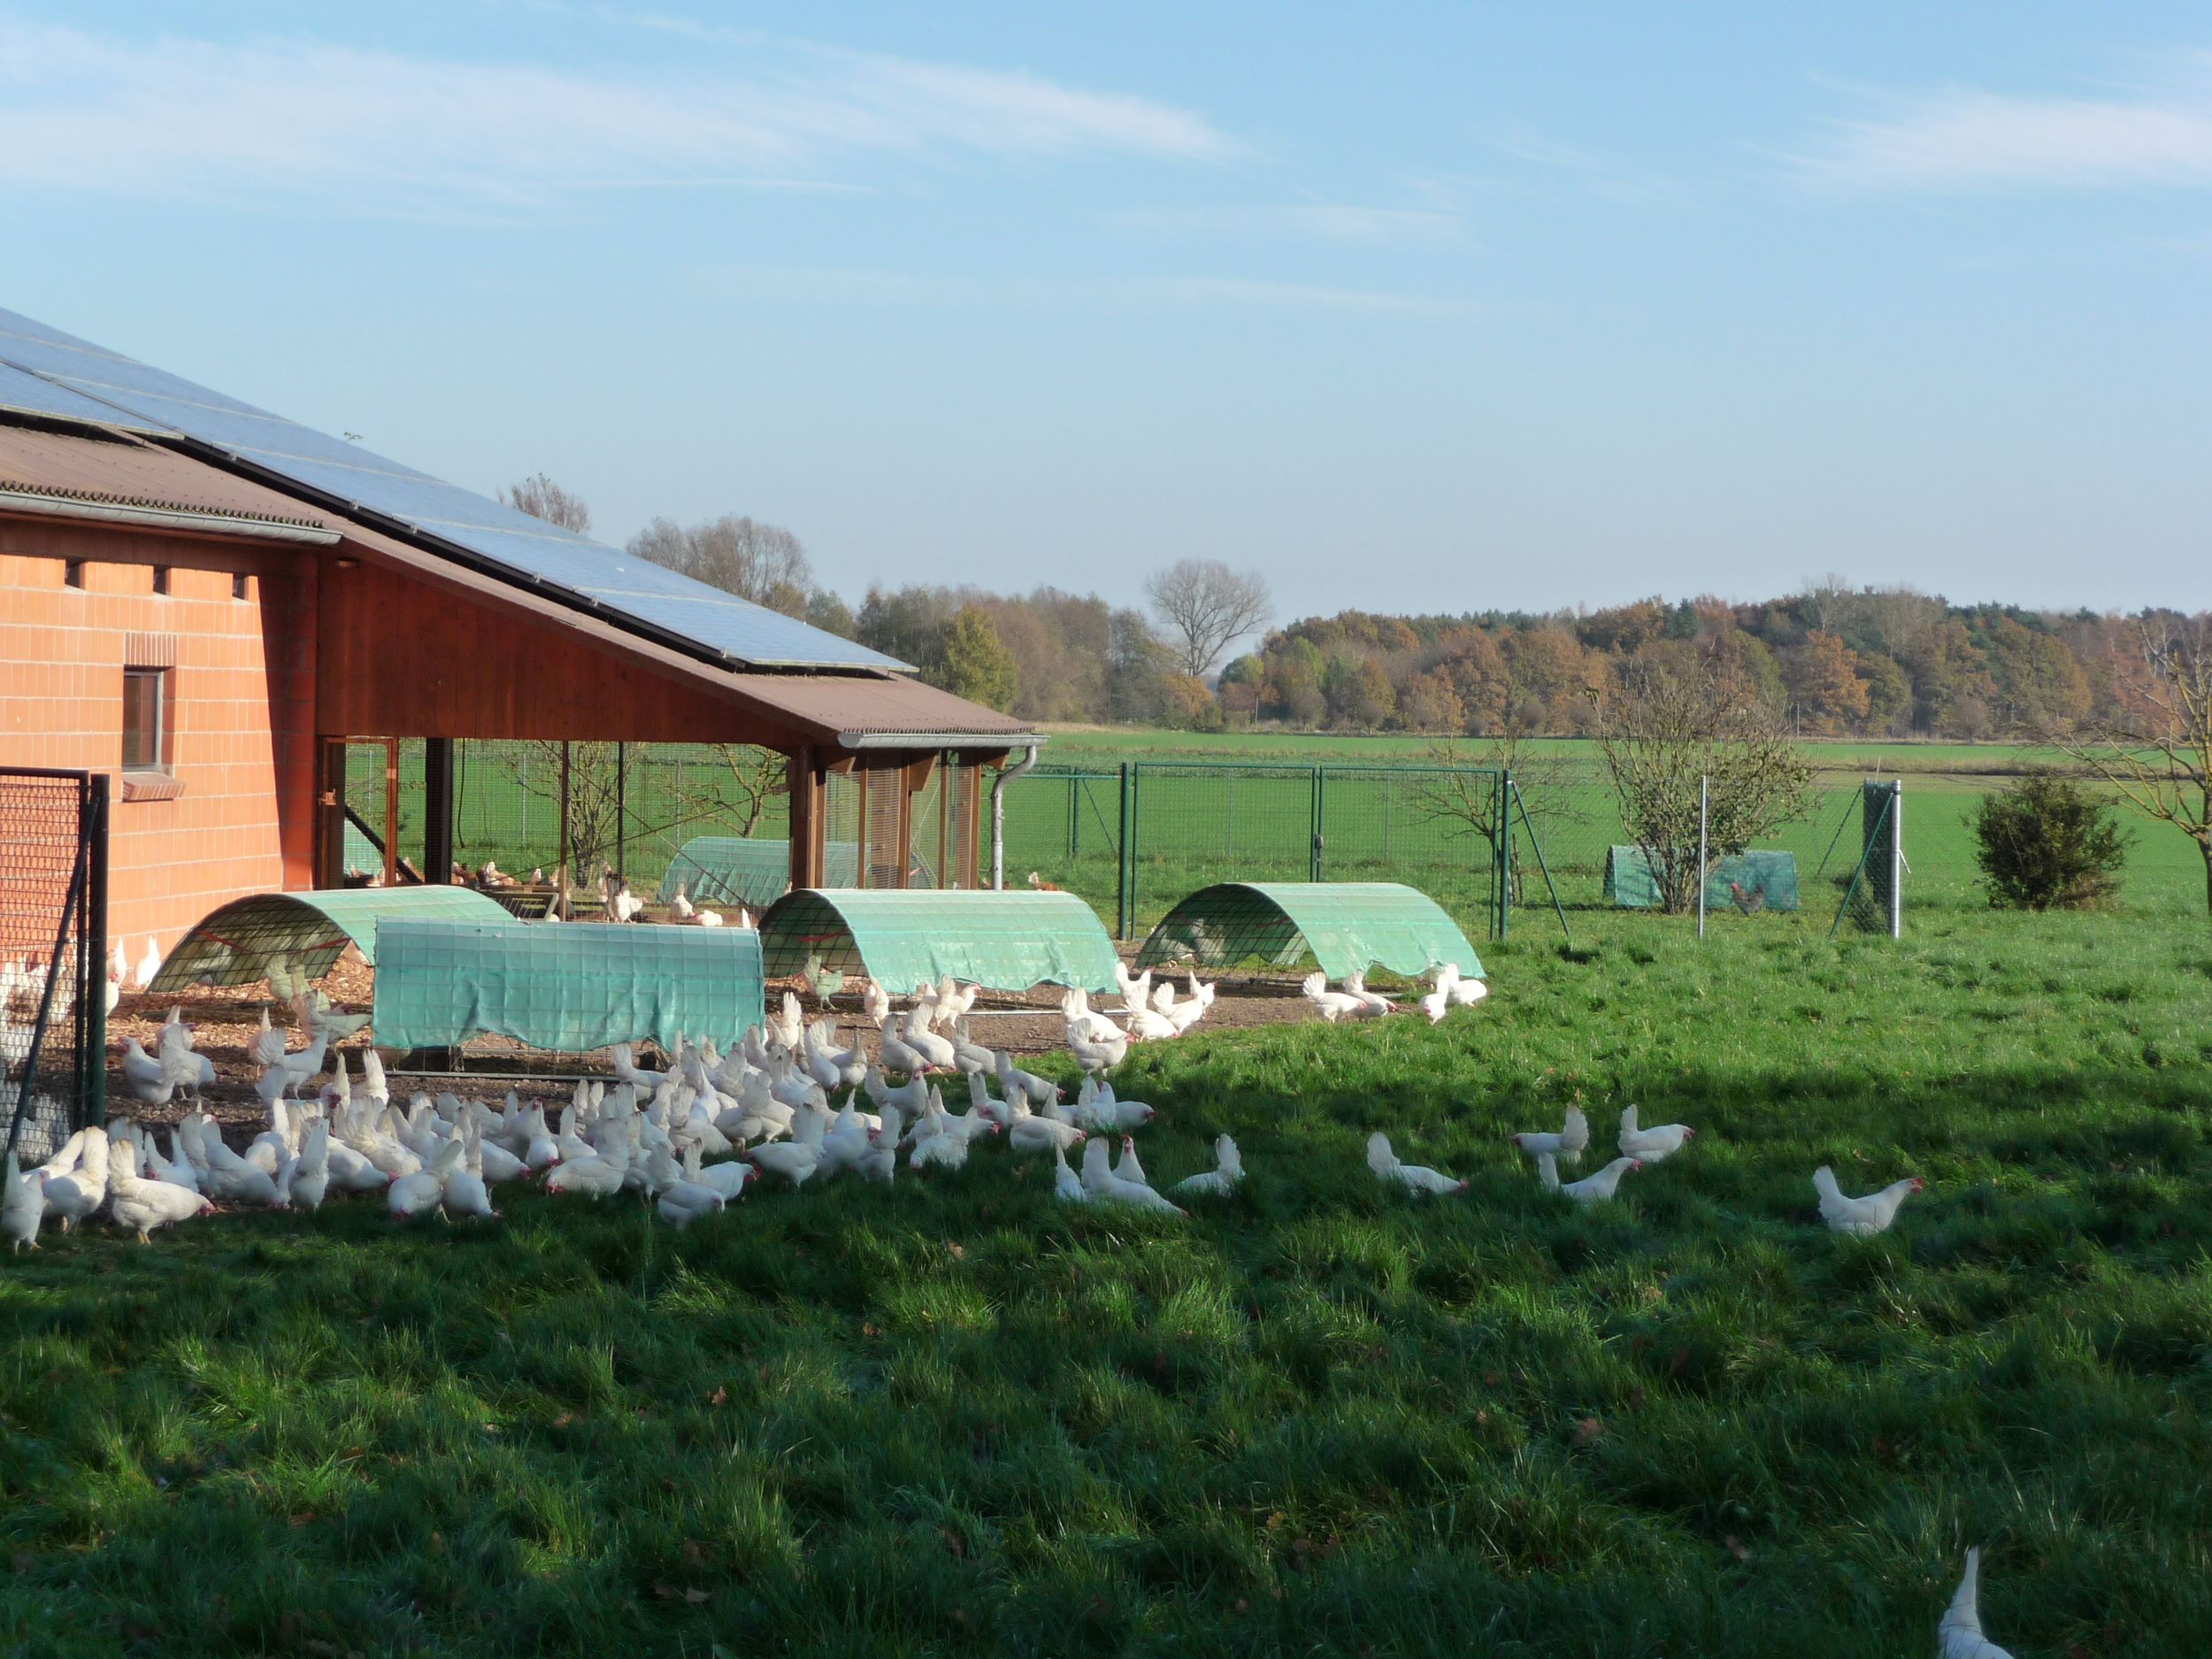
{"x": 207, "y": 603}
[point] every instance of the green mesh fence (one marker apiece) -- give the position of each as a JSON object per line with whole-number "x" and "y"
{"x": 1750, "y": 881}
{"x": 569, "y": 987}
{"x": 732, "y": 869}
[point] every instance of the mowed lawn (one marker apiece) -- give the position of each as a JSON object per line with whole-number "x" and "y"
{"x": 954, "y": 1417}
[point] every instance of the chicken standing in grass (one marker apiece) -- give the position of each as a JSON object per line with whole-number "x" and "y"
{"x": 144, "y": 1205}
{"x": 1591, "y": 1188}
{"x": 1413, "y": 1178}
{"x": 1219, "y": 1181}
{"x": 1106, "y": 1187}
{"x": 1959, "y": 1635}
{"x": 1862, "y": 1218}
{"x": 22, "y": 1205}
{"x": 1662, "y": 1141}
{"x": 1566, "y": 1146}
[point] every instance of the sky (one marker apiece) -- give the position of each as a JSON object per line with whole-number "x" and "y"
{"x": 1424, "y": 308}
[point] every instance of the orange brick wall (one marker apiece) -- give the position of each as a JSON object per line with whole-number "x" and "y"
{"x": 242, "y": 726}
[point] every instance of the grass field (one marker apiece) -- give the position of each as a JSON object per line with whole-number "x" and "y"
{"x": 1317, "y": 1418}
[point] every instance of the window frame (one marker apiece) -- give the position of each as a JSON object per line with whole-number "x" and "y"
{"x": 164, "y": 762}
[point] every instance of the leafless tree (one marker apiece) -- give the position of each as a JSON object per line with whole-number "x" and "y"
{"x": 1203, "y": 604}
{"x": 542, "y": 498}
{"x": 2157, "y": 746}
{"x": 1679, "y": 717}
{"x": 738, "y": 796}
{"x": 1463, "y": 797}
{"x": 760, "y": 561}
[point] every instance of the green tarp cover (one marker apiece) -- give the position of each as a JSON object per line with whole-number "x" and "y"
{"x": 1345, "y": 927}
{"x": 1005, "y": 941}
{"x": 568, "y": 986}
{"x": 740, "y": 870}
{"x": 235, "y": 944}
{"x": 1752, "y": 880}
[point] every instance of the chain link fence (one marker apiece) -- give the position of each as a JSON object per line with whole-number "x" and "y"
{"x": 53, "y": 950}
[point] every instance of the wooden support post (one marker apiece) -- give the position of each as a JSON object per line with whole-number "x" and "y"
{"x": 437, "y": 802}
{"x": 391, "y": 811}
{"x": 560, "y": 873}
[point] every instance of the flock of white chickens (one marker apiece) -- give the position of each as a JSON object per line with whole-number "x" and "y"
{"x": 689, "y": 1140}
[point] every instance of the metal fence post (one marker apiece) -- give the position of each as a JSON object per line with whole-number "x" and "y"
{"x": 1897, "y": 858}
{"x": 1704, "y": 796}
{"x": 1075, "y": 821}
{"x": 1501, "y": 853}
{"x": 1126, "y": 897}
{"x": 93, "y": 951}
{"x": 1313, "y": 871}
{"x": 621, "y": 816}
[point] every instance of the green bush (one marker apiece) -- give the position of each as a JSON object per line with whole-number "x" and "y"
{"x": 2048, "y": 844}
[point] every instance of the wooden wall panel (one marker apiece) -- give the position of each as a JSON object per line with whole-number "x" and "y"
{"x": 398, "y": 657}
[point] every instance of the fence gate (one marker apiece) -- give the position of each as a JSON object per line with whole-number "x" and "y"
{"x": 53, "y": 956}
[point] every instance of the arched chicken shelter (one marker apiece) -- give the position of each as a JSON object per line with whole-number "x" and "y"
{"x": 305, "y": 932}
{"x": 748, "y": 870}
{"x": 905, "y": 936}
{"x": 1345, "y": 927}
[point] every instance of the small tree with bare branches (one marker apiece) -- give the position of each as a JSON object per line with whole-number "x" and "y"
{"x": 542, "y": 498}
{"x": 1679, "y": 717}
{"x": 1203, "y": 604}
{"x": 2155, "y": 747}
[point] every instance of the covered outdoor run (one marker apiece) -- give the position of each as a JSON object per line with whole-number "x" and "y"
{"x": 751, "y": 871}
{"x": 307, "y": 932}
{"x": 1751, "y": 880}
{"x": 903, "y": 938}
{"x": 1345, "y": 926}
{"x": 568, "y": 989}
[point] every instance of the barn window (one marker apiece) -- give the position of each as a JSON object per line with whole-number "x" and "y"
{"x": 72, "y": 573}
{"x": 238, "y": 584}
{"x": 146, "y": 745}
{"x": 161, "y": 579}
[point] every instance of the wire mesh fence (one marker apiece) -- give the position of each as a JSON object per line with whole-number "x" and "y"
{"x": 53, "y": 970}
{"x": 1560, "y": 830}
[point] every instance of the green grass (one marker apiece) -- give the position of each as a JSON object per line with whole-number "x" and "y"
{"x": 956, "y": 1419}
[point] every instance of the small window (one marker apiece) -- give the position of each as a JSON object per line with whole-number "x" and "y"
{"x": 161, "y": 579}
{"x": 72, "y": 573}
{"x": 146, "y": 719}
{"x": 238, "y": 584}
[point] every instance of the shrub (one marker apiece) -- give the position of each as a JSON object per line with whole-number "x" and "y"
{"x": 2046, "y": 843}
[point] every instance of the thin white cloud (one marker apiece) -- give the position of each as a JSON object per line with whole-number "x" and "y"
{"x": 837, "y": 285}
{"x": 1966, "y": 139}
{"x": 379, "y": 131}
{"x": 1310, "y": 221}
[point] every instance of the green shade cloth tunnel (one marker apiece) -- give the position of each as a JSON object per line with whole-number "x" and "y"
{"x": 1345, "y": 927}
{"x": 902, "y": 937}
{"x": 740, "y": 870}
{"x": 568, "y": 987}
{"x": 235, "y": 944}
{"x": 1751, "y": 881}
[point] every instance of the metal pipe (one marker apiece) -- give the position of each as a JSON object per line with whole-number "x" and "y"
{"x": 998, "y": 815}
{"x": 1704, "y": 796}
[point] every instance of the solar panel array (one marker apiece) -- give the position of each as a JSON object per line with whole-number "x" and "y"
{"x": 44, "y": 372}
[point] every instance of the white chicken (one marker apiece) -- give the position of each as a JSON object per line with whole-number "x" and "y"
{"x": 310, "y": 1176}
{"x": 1098, "y": 1108}
{"x": 1959, "y": 1634}
{"x": 1377, "y": 1004}
{"x": 465, "y": 1192}
{"x": 1457, "y": 991}
{"x": 1591, "y": 1188}
{"x": 77, "y": 1176}
{"x": 1013, "y": 1081}
{"x": 148, "y": 965}
{"x": 1566, "y": 1146}
{"x": 145, "y": 1205}
{"x": 1413, "y": 1178}
{"x": 1862, "y": 1218}
{"x": 1067, "y": 1186}
{"x": 1219, "y": 1181}
{"x": 410, "y": 1195}
{"x": 22, "y": 1204}
{"x": 1105, "y": 1187}
{"x": 1333, "y": 1006}
{"x": 1662, "y": 1141}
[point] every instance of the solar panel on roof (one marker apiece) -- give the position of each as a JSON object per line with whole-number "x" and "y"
{"x": 46, "y": 371}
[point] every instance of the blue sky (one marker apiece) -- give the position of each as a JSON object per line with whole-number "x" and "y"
{"x": 1443, "y": 307}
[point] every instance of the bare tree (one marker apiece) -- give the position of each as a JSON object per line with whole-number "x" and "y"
{"x": 738, "y": 797}
{"x": 760, "y": 561}
{"x": 1463, "y": 797}
{"x": 1681, "y": 716}
{"x": 1203, "y": 604}
{"x": 2156, "y": 748}
{"x": 542, "y": 498}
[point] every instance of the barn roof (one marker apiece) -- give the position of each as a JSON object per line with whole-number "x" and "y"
{"x": 165, "y": 453}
